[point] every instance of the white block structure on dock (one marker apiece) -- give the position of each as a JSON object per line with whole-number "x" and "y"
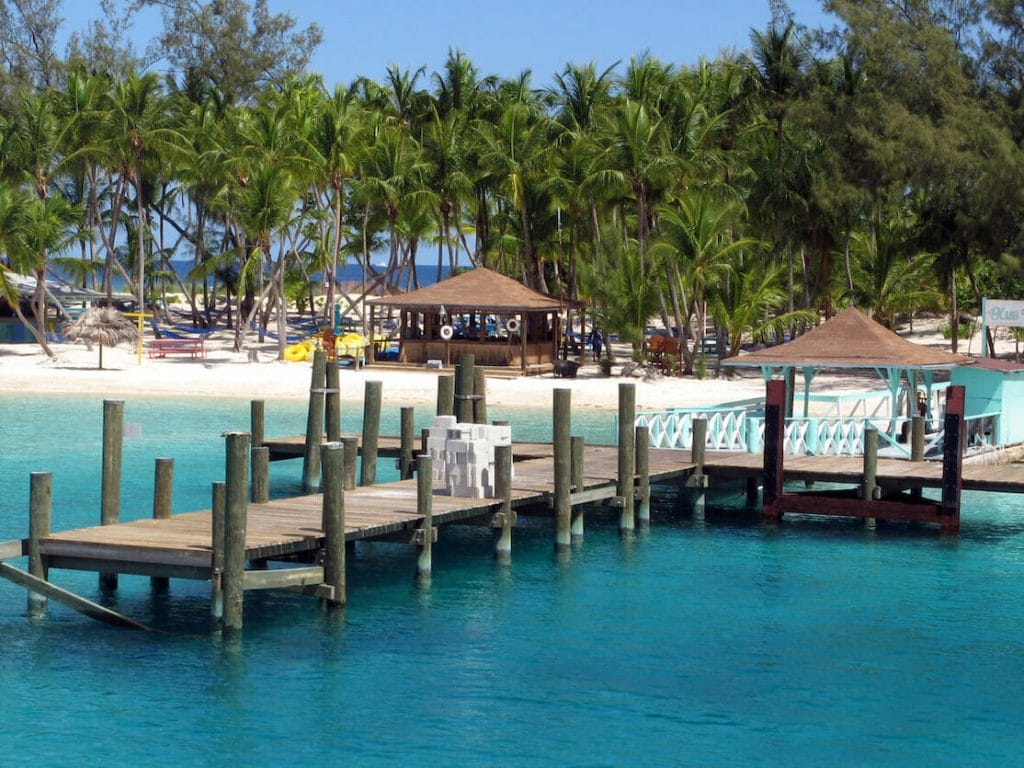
{"x": 463, "y": 456}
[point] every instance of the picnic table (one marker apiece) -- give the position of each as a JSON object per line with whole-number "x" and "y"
{"x": 194, "y": 348}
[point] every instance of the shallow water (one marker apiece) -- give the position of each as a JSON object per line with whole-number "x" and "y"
{"x": 714, "y": 642}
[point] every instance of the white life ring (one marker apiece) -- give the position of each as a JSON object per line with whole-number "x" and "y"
{"x": 512, "y": 325}
{"x": 447, "y": 332}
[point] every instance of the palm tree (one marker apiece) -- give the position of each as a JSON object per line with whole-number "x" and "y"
{"x": 750, "y": 308}
{"x": 516, "y": 150}
{"x": 140, "y": 131}
{"x": 699, "y": 251}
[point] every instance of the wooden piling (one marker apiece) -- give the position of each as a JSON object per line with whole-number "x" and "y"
{"x": 163, "y": 494}
{"x": 40, "y": 508}
{"x": 446, "y": 395}
{"x": 260, "y": 474}
{"x": 332, "y": 411}
{"x": 424, "y": 508}
{"x": 464, "y": 395}
{"x": 643, "y": 476}
{"x": 257, "y": 410}
{"x": 314, "y": 423}
{"x": 774, "y": 437}
{"x": 110, "y": 505}
{"x": 236, "y": 495}
{"x": 562, "y": 415}
{"x": 407, "y": 443}
{"x": 917, "y": 425}
{"x": 371, "y": 431}
{"x": 870, "y": 489}
{"x": 626, "y": 454}
{"x": 952, "y": 460}
{"x": 217, "y": 511}
{"x": 576, "y": 458}
{"x": 505, "y": 518}
{"x": 350, "y": 445}
{"x": 332, "y": 457}
{"x": 479, "y": 396}
{"x": 698, "y": 453}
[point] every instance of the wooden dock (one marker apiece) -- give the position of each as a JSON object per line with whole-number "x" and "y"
{"x": 232, "y": 544}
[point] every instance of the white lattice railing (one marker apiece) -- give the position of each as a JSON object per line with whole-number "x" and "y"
{"x": 739, "y": 429}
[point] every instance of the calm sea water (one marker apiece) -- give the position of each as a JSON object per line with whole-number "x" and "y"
{"x": 714, "y": 642}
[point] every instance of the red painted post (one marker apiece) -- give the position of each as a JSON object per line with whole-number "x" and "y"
{"x": 952, "y": 460}
{"x": 774, "y": 438}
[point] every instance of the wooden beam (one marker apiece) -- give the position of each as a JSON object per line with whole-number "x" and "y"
{"x": 283, "y": 578}
{"x": 13, "y": 548}
{"x": 69, "y": 599}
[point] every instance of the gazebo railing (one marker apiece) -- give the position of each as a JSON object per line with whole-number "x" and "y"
{"x": 740, "y": 429}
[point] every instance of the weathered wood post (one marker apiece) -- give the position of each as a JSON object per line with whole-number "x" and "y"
{"x": 870, "y": 488}
{"x": 110, "y": 504}
{"x": 314, "y": 423}
{"x": 505, "y": 518}
{"x": 464, "y": 394}
{"x": 627, "y": 452}
{"x": 774, "y": 437}
{"x": 446, "y": 395}
{"x": 257, "y": 414}
{"x": 952, "y": 460}
{"x": 218, "y": 501}
{"x": 371, "y": 432}
{"x": 350, "y": 445}
{"x": 424, "y": 508}
{"x": 163, "y": 495}
{"x": 407, "y": 443}
{"x": 578, "y": 485}
{"x": 40, "y": 506}
{"x": 479, "y": 396}
{"x": 332, "y": 456}
{"x": 917, "y": 425}
{"x": 260, "y": 474}
{"x": 562, "y": 411}
{"x": 332, "y": 412}
{"x": 643, "y": 474}
{"x": 698, "y": 451}
{"x": 235, "y": 498}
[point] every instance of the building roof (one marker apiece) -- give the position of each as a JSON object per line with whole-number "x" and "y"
{"x": 850, "y": 340}
{"x": 477, "y": 289}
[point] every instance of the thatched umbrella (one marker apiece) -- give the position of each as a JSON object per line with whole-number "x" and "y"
{"x": 101, "y": 325}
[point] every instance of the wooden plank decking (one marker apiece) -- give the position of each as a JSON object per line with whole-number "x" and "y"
{"x": 181, "y": 546}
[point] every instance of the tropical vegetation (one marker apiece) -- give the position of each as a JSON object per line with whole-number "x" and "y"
{"x": 879, "y": 164}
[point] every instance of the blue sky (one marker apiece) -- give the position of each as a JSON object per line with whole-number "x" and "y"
{"x": 363, "y": 38}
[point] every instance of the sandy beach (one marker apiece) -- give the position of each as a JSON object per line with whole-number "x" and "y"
{"x": 225, "y": 373}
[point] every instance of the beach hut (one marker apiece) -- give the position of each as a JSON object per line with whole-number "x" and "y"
{"x": 994, "y": 388}
{"x": 497, "y": 319}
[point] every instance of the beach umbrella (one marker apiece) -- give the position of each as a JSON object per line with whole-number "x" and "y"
{"x": 101, "y": 325}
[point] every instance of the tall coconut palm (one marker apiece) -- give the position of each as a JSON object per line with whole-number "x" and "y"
{"x": 139, "y": 130}
{"x": 699, "y": 250}
{"x": 516, "y": 150}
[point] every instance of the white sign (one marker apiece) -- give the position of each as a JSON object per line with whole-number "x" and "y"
{"x": 1003, "y": 312}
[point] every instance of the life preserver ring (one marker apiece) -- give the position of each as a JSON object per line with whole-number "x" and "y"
{"x": 447, "y": 332}
{"x": 512, "y": 325}
{"x": 296, "y": 353}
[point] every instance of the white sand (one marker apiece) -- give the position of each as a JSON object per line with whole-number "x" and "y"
{"x": 225, "y": 373}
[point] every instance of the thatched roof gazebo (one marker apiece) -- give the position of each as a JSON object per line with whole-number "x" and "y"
{"x": 497, "y": 319}
{"x": 852, "y": 340}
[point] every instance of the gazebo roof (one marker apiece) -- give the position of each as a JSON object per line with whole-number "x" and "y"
{"x": 479, "y": 288}
{"x": 850, "y": 340}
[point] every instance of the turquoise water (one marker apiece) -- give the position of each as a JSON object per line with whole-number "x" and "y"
{"x": 715, "y": 642}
